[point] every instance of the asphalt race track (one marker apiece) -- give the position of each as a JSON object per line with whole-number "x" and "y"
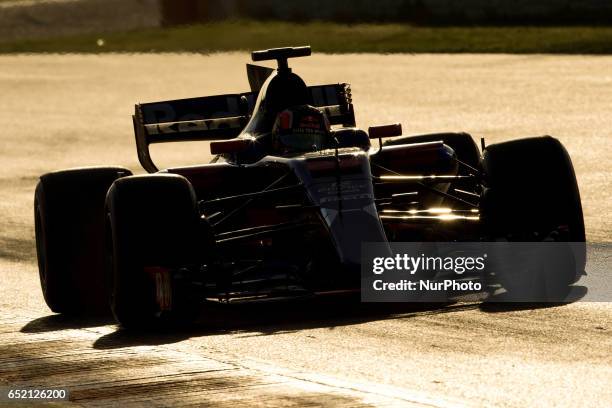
{"x": 72, "y": 110}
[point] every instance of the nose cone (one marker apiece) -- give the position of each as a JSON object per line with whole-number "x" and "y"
{"x": 345, "y": 195}
{"x": 350, "y": 227}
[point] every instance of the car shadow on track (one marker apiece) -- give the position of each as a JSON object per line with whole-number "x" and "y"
{"x": 500, "y": 305}
{"x": 264, "y": 319}
{"x": 278, "y": 317}
{"x": 57, "y": 322}
{"x": 282, "y": 317}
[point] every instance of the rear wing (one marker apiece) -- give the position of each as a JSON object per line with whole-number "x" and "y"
{"x": 221, "y": 117}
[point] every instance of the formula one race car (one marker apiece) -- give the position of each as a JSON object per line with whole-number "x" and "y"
{"x": 293, "y": 191}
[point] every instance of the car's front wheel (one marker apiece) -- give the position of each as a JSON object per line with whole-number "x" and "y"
{"x": 532, "y": 196}
{"x": 155, "y": 241}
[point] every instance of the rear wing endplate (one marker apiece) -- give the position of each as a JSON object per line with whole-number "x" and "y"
{"x": 220, "y": 117}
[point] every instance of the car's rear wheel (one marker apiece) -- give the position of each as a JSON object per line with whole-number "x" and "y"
{"x": 69, "y": 226}
{"x": 532, "y": 196}
{"x": 155, "y": 241}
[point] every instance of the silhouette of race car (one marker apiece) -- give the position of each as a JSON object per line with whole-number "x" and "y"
{"x": 293, "y": 191}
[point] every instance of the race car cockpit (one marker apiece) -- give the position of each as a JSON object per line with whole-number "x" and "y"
{"x": 231, "y": 118}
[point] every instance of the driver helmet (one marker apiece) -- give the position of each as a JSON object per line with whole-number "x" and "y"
{"x": 301, "y": 128}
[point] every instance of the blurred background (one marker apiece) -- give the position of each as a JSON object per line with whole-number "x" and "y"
{"x": 412, "y": 11}
{"x": 560, "y": 26}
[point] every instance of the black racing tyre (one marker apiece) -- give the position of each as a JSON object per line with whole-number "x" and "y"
{"x": 532, "y": 188}
{"x": 462, "y": 143}
{"x": 154, "y": 238}
{"x": 69, "y": 225}
{"x": 532, "y": 195}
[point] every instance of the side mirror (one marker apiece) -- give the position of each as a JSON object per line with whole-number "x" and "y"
{"x": 230, "y": 146}
{"x": 378, "y": 132}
